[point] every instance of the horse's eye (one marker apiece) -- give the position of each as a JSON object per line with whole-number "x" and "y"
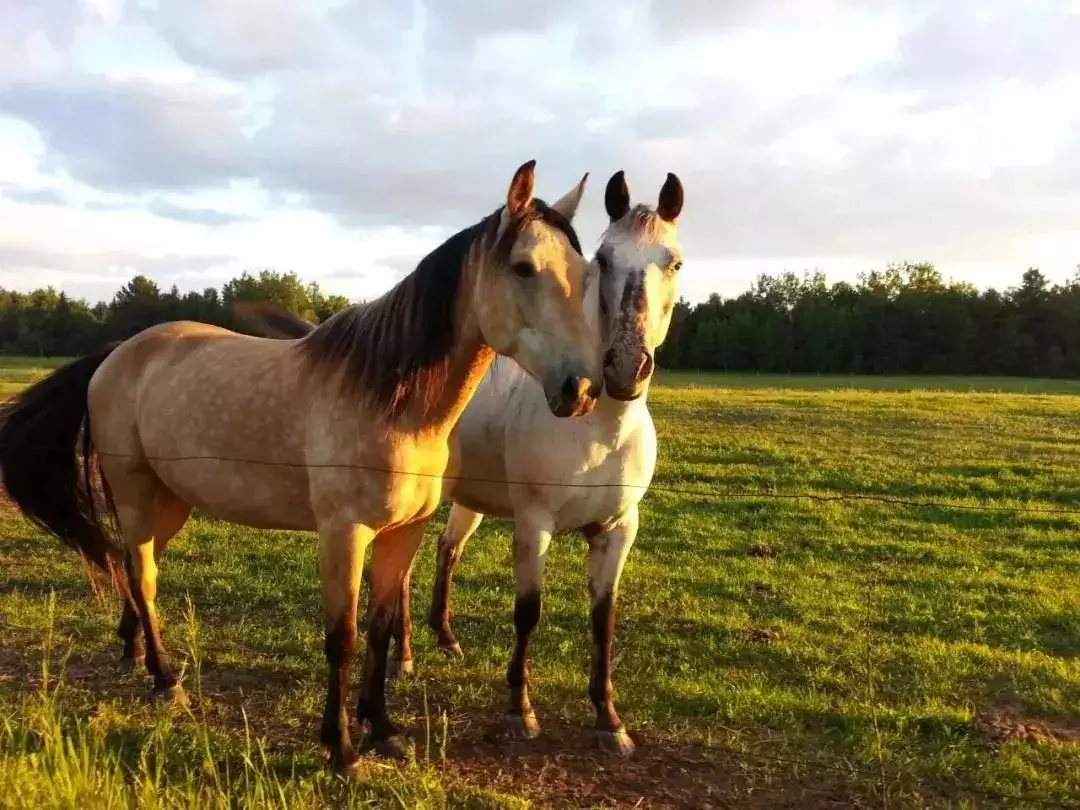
{"x": 602, "y": 262}
{"x": 675, "y": 268}
{"x": 523, "y": 269}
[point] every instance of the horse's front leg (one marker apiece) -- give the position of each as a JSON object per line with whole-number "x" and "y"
{"x": 341, "y": 560}
{"x": 532, "y": 536}
{"x": 608, "y": 549}
{"x": 391, "y": 557}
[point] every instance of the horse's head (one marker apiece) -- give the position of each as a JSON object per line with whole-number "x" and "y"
{"x": 529, "y": 296}
{"x": 639, "y": 261}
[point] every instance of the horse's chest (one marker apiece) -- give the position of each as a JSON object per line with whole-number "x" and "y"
{"x": 600, "y": 479}
{"x": 414, "y": 499}
{"x": 599, "y": 499}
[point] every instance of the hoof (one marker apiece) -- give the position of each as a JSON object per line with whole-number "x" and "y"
{"x": 451, "y": 649}
{"x": 521, "y": 726}
{"x": 348, "y": 768}
{"x": 399, "y": 669}
{"x": 128, "y": 665}
{"x": 350, "y": 772}
{"x": 615, "y": 742}
{"x": 173, "y": 695}
{"x": 395, "y": 747}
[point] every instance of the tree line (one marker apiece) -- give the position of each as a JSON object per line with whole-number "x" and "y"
{"x": 905, "y": 319}
{"x": 47, "y": 323}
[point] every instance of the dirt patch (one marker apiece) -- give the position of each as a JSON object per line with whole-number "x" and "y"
{"x": 564, "y": 768}
{"x": 761, "y": 635}
{"x": 1009, "y": 723}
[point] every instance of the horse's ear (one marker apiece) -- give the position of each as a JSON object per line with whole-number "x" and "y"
{"x": 519, "y": 197}
{"x": 671, "y": 199}
{"x": 617, "y": 196}
{"x": 568, "y": 204}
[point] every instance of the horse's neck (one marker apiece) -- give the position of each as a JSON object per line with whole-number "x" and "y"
{"x": 464, "y": 370}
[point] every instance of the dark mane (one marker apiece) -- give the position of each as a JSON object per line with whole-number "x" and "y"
{"x": 399, "y": 345}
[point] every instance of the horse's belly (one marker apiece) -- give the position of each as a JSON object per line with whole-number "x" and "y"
{"x": 485, "y": 498}
{"x": 593, "y": 506}
{"x": 267, "y": 498}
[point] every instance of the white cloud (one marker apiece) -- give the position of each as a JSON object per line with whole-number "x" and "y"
{"x": 324, "y": 137}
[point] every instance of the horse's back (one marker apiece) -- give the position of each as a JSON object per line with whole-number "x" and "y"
{"x": 219, "y": 417}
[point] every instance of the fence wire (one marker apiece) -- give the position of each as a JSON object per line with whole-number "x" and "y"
{"x": 713, "y": 493}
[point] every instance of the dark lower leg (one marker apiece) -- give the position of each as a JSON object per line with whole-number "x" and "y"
{"x": 371, "y": 705}
{"x": 526, "y": 617}
{"x": 439, "y": 615}
{"x": 607, "y": 554}
{"x": 170, "y": 514}
{"x": 603, "y": 628}
{"x": 391, "y": 559}
{"x": 130, "y": 632}
{"x": 144, "y": 590}
{"x": 340, "y": 648}
{"x": 401, "y": 662}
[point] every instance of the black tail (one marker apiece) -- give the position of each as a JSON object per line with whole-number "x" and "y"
{"x": 272, "y": 321}
{"x": 39, "y": 459}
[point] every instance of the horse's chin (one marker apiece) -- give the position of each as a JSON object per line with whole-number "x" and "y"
{"x": 624, "y": 396}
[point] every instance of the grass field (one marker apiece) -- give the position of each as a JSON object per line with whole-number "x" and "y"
{"x": 770, "y": 651}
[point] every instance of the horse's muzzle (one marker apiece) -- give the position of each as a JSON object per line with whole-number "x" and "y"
{"x": 616, "y": 384}
{"x": 576, "y": 397}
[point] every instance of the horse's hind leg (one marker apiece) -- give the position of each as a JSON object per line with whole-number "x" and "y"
{"x": 136, "y": 493}
{"x": 608, "y": 549}
{"x": 130, "y": 631}
{"x": 459, "y": 528}
{"x": 401, "y": 660}
{"x": 169, "y": 518}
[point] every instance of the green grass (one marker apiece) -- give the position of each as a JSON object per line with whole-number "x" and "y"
{"x": 818, "y": 382}
{"x": 18, "y": 372}
{"x": 766, "y": 647}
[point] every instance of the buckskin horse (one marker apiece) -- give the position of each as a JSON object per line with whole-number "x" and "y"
{"x": 345, "y": 432}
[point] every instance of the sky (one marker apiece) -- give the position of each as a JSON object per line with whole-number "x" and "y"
{"x": 190, "y": 140}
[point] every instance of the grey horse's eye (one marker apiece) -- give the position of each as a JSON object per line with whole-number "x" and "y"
{"x": 602, "y": 262}
{"x": 523, "y": 269}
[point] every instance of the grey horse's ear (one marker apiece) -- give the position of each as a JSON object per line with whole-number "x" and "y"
{"x": 520, "y": 195}
{"x": 567, "y": 205}
{"x": 617, "y": 196}
{"x": 671, "y": 199}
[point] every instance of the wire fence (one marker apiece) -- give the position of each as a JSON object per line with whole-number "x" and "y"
{"x": 691, "y": 492}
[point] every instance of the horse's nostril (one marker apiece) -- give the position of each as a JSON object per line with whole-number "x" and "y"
{"x": 646, "y": 366}
{"x": 609, "y": 358}
{"x": 575, "y": 387}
